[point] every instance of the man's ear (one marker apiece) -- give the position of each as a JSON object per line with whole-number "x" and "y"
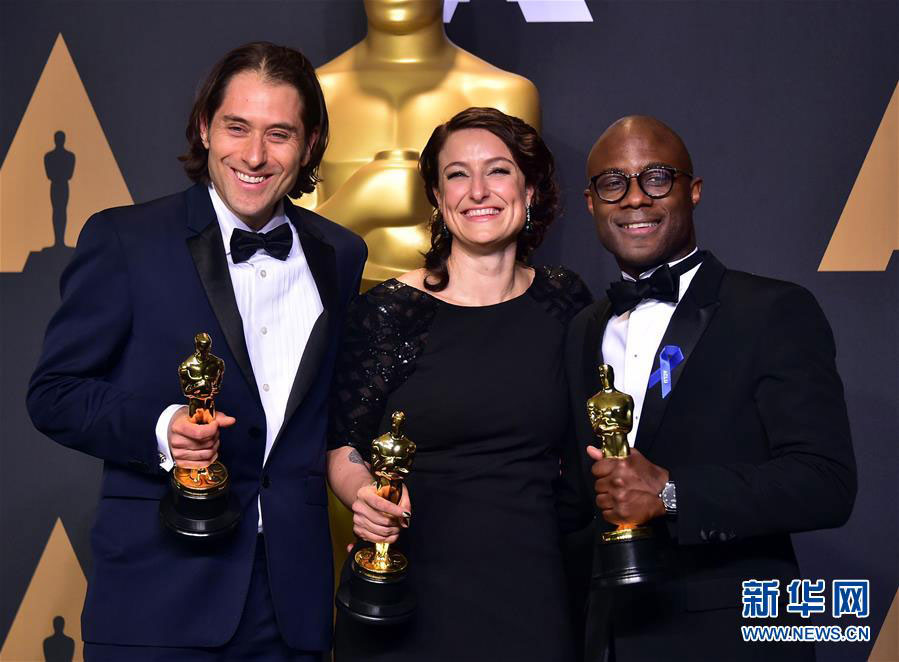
{"x": 589, "y": 199}
{"x": 204, "y": 132}
{"x": 696, "y": 190}
{"x": 311, "y": 141}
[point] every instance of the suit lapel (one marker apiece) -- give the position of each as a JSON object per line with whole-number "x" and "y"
{"x": 689, "y": 322}
{"x": 592, "y": 352}
{"x": 208, "y": 252}
{"x": 323, "y": 265}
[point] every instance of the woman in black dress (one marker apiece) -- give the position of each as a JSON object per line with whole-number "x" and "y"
{"x": 470, "y": 348}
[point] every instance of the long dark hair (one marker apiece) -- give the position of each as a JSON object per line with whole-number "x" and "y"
{"x": 278, "y": 64}
{"x": 530, "y": 154}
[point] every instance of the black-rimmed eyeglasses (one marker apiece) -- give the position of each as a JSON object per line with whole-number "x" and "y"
{"x": 655, "y": 181}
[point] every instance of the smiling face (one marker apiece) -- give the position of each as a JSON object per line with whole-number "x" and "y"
{"x": 642, "y": 232}
{"x": 481, "y": 191}
{"x": 257, "y": 144}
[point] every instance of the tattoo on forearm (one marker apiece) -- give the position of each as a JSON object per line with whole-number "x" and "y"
{"x": 355, "y": 458}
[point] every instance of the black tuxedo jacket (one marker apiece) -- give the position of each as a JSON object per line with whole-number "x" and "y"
{"x": 755, "y": 436}
{"x": 143, "y": 281}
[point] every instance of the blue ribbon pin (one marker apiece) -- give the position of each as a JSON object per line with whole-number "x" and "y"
{"x": 669, "y": 358}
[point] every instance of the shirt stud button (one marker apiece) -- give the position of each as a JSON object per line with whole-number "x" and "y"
{"x": 265, "y": 387}
{"x": 262, "y": 273}
{"x": 263, "y": 330}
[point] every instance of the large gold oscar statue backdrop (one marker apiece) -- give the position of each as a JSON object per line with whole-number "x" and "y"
{"x": 385, "y": 95}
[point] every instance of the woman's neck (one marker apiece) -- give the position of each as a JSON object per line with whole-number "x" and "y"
{"x": 484, "y": 279}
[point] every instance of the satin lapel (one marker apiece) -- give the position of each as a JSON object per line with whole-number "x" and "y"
{"x": 689, "y": 322}
{"x": 593, "y": 347}
{"x": 323, "y": 265}
{"x": 208, "y": 252}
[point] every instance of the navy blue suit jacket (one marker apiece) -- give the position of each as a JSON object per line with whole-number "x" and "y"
{"x": 143, "y": 281}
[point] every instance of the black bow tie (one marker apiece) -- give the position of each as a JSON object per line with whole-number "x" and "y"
{"x": 662, "y": 285}
{"x": 276, "y": 243}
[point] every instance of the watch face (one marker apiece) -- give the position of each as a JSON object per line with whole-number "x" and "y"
{"x": 669, "y": 496}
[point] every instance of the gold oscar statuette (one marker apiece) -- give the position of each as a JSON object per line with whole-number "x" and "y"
{"x": 376, "y": 592}
{"x": 200, "y": 503}
{"x": 627, "y": 554}
{"x": 391, "y": 459}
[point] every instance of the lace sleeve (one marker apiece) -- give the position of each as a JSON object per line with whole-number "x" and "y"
{"x": 561, "y": 291}
{"x": 386, "y": 330}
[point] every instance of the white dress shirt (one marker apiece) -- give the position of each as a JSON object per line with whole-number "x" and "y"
{"x": 279, "y": 304}
{"x": 631, "y": 341}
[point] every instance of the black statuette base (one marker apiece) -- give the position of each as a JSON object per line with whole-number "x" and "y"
{"x": 626, "y": 562}
{"x": 377, "y": 602}
{"x": 200, "y": 518}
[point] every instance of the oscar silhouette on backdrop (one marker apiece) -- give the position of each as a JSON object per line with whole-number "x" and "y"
{"x": 59, "y": 647}
{"x": 59, "y": 164}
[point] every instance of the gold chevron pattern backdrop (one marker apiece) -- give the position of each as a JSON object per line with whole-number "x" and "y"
{"x": 796, "y": 133}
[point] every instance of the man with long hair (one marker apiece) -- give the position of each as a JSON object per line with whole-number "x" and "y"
{"x": 268, "y": 281}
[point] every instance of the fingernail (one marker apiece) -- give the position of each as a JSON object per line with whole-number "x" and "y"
{"x": 407, "y": 514}
{"x": 406, "y": 522}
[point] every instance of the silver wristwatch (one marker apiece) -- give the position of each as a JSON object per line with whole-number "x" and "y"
{"x": 668, "y": 495}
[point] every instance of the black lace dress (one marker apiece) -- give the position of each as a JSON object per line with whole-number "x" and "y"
{"x": 484, "y": 393}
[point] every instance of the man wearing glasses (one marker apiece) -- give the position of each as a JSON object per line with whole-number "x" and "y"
{"x": 740, "y": 432}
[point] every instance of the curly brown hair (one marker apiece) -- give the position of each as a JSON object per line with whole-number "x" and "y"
{"x": 530, "y": 154}
{"x": 278, "y": 64}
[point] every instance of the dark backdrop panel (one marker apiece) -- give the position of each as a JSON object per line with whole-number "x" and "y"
{"x": 778, "y": 102}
